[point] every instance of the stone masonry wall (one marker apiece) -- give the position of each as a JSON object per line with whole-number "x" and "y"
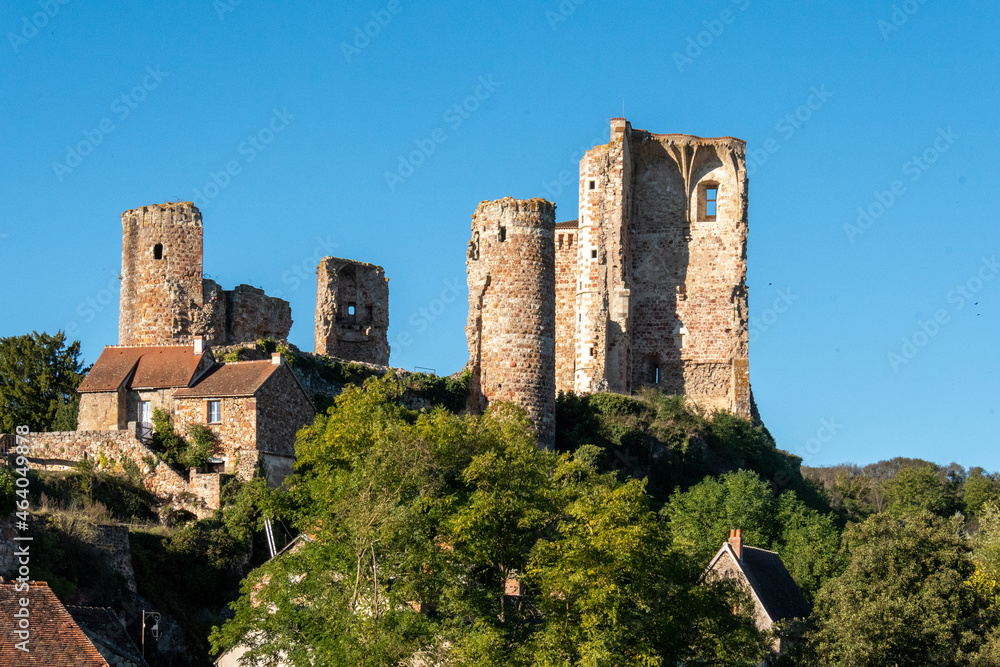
{"x": 282, "y": 409}
{"x": 102, "y": 411}
{"x": 565, "y": 267}
{"x": 166, "y": 300}
{"x": 159, "y": 297}
{"x": 236, "y": 433}
{"x": 661, "y": 283}
{"x": 511, "y": 327}
{"x": 352, "y": 311}
{"x": 61, "y": 450}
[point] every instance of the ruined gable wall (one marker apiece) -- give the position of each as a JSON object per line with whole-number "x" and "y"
{"x": 343, "y": 284}
{"x": 689, "y": 325}
{"x": 236, "y": 434}
{"x": 511, "y": 327}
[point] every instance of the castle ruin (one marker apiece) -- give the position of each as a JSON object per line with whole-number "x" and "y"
{"x": 511, "y": 329}
{"x": 166, "y": 300}
{"x": 352, "y": 311}
{"x": 647, "y": 288}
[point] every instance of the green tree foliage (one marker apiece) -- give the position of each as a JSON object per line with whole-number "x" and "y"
{"x": 671, "y": 444}
{"x": 39, "y": 375}
{"x": 417, "y": 523}
{"x": 903, "y": 600}
{"x": 174, "y": 449}
{"x": 808, "y": 542}
{"x": 914, "y": 490}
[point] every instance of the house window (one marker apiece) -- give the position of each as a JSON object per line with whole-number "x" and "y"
{"x": 145, "y": 413}
{"x": 158, "y": 251}
{"x": 215, "y": 412}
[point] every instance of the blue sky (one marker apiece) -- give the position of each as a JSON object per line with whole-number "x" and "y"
{"x": 873, "y": 335}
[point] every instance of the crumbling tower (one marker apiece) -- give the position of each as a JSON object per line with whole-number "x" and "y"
{"x": 161, "y": 290}
{"x": 511, "y": 328}
{"x": 661, "y": 269}
{"x": 352, "y": 311}
{"x": 165, "y": 299}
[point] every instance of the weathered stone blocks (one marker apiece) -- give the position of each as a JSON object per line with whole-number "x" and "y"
{"x": 511, "y": 327}
{"x": 352, "y": 311}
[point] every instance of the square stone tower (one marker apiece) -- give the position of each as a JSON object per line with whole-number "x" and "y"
{"x": 352, "y": 311}
{"x": 660, "y": 271}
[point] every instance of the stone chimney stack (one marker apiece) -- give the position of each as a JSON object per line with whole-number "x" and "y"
{"x": 276, "y": 359}
{"x": 199, "y": 345}
{"x": 736, "y": 542}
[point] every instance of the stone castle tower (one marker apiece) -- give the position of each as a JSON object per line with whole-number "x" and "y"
{"x": 652, "y": 283}
{"x": 511, "y": 327}
{"x": 164, "y": 297}
{"x": 352, "y": 311}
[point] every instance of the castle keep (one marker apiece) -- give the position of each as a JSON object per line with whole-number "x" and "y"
{"x": 648, "y": 286}
{"x": 165, "y": 299}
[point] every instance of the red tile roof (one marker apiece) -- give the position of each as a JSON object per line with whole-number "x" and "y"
{"x": 567, "y": 224}
{"x": 157, "y": 367}
{"x": 55, "y": 640}
{"x": 238, "y": 378}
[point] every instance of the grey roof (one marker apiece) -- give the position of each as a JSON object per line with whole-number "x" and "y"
{"x": 773, "y": 585}
{"x": 102, "y": 626}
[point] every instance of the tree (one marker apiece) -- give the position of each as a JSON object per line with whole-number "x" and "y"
{"x": 917, "y": 489}
{"x": 39, "y": 375}
{"x": 418, "y": 521}
{"x": 903, "y": 600}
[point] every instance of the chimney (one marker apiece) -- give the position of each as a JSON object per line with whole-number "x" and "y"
{"x": 736, "y": 542}
{"x": 199, "y": 345}
{"x": 276, "y": 359}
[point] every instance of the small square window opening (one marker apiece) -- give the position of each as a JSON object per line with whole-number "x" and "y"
{"x": 592, "y": 185}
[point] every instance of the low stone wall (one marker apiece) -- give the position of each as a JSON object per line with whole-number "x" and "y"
{"x": 110, "y": 451}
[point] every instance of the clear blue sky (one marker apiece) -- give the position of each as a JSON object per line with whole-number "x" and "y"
{"x": 310, "y": 114}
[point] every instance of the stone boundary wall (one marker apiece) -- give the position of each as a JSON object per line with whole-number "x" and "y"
{"x": 61, "y": 450}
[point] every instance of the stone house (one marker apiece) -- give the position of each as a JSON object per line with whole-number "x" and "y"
{"x": 53, "y": 637}
{"x": 761, "y": 572}
{"x": 253, "y": 407}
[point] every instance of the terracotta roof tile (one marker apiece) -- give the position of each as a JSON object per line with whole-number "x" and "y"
{"x": 239, "y": 378}
{"x": 568, "y": 224}
{"x": 55, "y": 641}
{"x": 154, "y": 367}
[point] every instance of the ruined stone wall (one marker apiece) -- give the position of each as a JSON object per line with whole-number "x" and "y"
{"x": 511, "y": 327}
{"x": 205, "y": 486}
{"x": 661, "y": 283}
{"x": 282, "y": 409}
{"x": 352, "y": 311}
{"x": 565, "y": 263}
{"x": 161, "y": 273}
{"x": 164, "y": 297}
{"x": 689, "y": 330}
{"x": 237, "y": 433}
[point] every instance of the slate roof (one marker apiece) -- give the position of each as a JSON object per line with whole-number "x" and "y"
{"x": 773, "y": 585}
{"x": 55, "y": 641}
{"x": 106, "y": 632}
{"x": 142, "y": 366}
{"x": 770, "y": 580}
{"x": 237, "y": 378}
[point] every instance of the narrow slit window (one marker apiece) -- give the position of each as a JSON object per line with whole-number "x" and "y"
{"x": 351, "y": 309}
{"x": 502, "y": 236}
{"x": 711, "y": 200}
{"x": 593, "y": 185}
{"x": 158, "y": 251}
{"x": 593, "y": 254}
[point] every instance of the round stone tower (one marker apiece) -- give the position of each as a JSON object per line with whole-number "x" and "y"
{"x": 161, "y": 291}
{"x": 511, "y": 329}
